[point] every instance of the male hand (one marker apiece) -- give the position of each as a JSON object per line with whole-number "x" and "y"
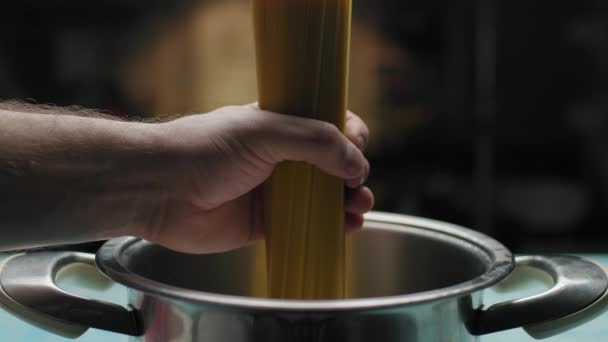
{"x": 217, "y": 161}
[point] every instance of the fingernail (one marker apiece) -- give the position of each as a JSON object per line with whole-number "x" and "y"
{"x": 366, "y": 174}
{"x": 361, "y": 142}
{"x": 352, "y": 166}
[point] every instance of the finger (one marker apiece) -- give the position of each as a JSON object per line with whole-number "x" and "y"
{"x": 356, "y": 130}
{"x": 359, "y": 201}
{"x": 285, "y": 137}
{"x": 354, "y": 183}
{"x": 253, "y": 105}
{"x": 353, "y": 222}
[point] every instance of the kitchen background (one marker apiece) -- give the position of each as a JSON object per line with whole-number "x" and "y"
{"x": 492, "y": 114}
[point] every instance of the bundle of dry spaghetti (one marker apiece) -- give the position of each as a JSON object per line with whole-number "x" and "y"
{"x": 302, "y": 51}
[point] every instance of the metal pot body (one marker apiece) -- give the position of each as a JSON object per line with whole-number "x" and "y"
{"x": 442, "y": 321}
{"x": 412, "y": 280}
{"x": 390, "y": 260}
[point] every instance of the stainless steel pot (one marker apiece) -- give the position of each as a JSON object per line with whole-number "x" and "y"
{"x": 414, "y": 280}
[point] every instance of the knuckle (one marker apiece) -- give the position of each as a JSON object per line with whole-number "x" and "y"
{"x": 224, "y": 110}
{"x": 231, "y": 108}
{"x": 327, "y": 135}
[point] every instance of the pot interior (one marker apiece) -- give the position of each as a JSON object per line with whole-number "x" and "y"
{"x": 388, "y": 259}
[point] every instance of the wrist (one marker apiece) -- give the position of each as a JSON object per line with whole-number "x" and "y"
{"x": 147, "y": 175}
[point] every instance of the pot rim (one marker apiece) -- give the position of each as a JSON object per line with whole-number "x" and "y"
{"x": 501, "y": 265}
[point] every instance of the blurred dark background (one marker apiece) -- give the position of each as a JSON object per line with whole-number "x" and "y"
{"x": 492, "y": 114}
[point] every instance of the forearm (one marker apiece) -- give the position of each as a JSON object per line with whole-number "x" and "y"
{"x": 68, "y": 178}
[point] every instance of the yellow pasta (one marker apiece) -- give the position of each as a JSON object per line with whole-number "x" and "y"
{"x": 302, "y": 51}
{"x": 259, "y": 279}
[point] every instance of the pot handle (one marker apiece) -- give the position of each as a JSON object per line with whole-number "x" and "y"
{"x": 579, "y": 294}
{"x": 29, "y": 291}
